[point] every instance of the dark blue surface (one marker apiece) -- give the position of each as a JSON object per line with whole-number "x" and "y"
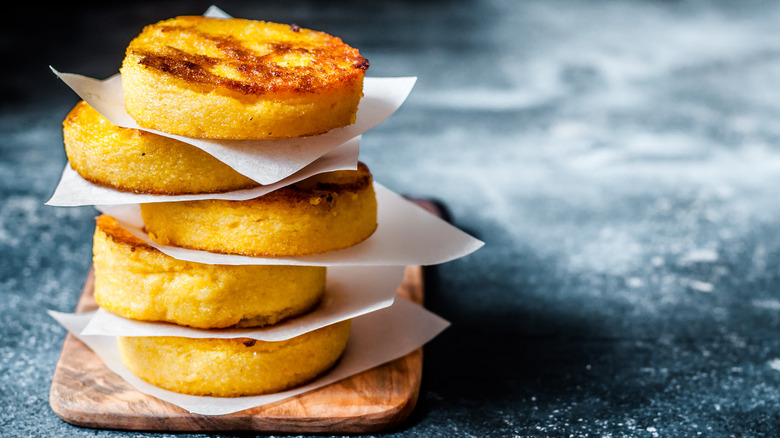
{"x": 620, "y": 159}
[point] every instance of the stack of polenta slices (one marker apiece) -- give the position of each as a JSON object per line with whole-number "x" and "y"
{"x": 224, "y": 79}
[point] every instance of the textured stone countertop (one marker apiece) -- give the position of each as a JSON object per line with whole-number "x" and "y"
{"x": 621, "y": 160}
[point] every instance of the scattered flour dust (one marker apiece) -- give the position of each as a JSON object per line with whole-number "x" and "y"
{"x": 774, "y": 364}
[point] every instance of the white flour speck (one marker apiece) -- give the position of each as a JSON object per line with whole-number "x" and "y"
{"x": 701, "y": 286}
{"x": 767, "y": 304}
{"x": 635, "y": 282}
{"x": 699, "y": 256}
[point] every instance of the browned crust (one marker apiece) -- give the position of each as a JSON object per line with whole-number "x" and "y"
{"x": 260, "y": 75}
{"x": 111, "y": 228}
{"x": 358, "y": 180}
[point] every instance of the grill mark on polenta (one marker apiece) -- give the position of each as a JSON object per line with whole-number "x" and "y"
{"x": 260, "y": 73}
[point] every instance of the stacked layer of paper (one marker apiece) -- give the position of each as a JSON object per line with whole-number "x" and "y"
{"x": 362, "y": 280}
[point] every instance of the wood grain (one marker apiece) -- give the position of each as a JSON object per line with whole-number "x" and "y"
{"x": 86, "y": 393}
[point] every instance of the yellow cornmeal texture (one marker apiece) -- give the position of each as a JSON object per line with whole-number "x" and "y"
{"x": 240, "y": 79}
{"x": 135, "y": 280}
{"x": 233, "y": 367}
{"x": 333, "y": 211}
{"x": 137, "y": 161}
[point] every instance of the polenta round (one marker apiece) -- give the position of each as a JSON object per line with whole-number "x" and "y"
{"x": 327, "y": 212}
{"x": 240, "y": 79}
{"x": 233, "y": 367}
{"x": 137, "y": 161}
{"x": 136, "y": 281}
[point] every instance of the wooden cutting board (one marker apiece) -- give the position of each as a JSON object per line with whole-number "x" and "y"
{"x": 86, "y": 393}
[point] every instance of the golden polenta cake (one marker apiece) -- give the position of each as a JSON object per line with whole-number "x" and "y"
{"x": 137, "y": 161}
{"x": 240, "y": 79}
{"x": 233, "y": 367}
{"x": 327, "y": 212}
{"x": 136, "y": 281}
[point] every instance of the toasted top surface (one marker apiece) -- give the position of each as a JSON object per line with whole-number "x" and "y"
{"x": 245, "y": 56}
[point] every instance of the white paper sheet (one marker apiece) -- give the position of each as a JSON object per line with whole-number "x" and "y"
{"x": 215, "y": 12}
{"x": 377, "y": 338}
{"x": 264, "y": 161}
{"x": 406, "y": 235}
{"x": 73, "y": 190}
{"x": 350, "y": 292}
